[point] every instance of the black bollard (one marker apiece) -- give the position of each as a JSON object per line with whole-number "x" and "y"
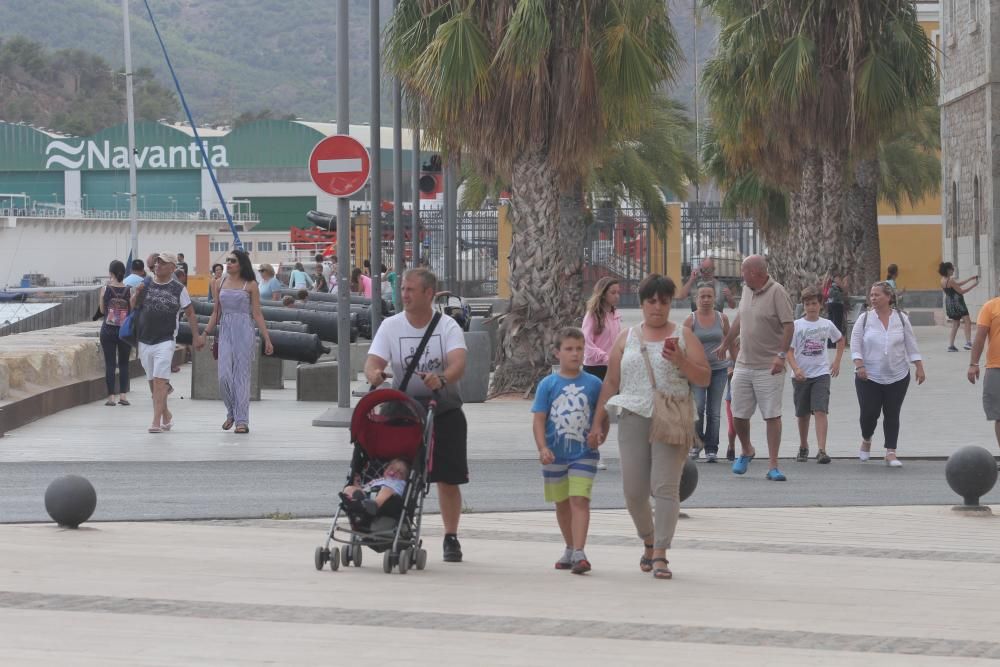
{"x": 70, "y": 500}
{"x": 971, "y": 473}
{"x": 689, "y": 479}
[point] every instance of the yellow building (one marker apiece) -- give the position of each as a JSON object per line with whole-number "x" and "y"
{"x": 912, "y": 239}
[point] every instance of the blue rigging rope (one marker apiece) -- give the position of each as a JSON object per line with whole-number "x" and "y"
{"x": 201, "y": 144}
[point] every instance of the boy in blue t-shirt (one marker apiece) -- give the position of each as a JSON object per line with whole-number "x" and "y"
{"x": 564, "y": 407}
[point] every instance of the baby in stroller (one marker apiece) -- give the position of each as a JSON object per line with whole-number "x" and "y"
{"x": 379, "y": 497}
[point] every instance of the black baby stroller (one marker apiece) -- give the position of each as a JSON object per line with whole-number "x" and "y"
{"x": 386, "y": 424}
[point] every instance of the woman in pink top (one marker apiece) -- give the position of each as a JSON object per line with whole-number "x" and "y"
{"x": 360, "y": 283}
{"x": 601, "y": 326}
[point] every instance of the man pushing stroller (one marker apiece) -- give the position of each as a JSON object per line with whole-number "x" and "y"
{"x": 426, "y": 353}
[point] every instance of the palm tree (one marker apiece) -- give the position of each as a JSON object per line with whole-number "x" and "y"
{"x": 534, "y": 90}
{"x": 801, "y": 94}
{"x": 644, "y": 169}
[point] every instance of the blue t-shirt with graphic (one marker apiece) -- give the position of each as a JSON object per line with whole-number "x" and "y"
{"x": 569, "y": 405}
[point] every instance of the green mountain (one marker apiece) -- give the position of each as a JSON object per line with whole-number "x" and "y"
{"x": 238, "y": 56}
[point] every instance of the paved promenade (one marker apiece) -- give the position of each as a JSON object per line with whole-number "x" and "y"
{"x": 850, "y": 586}
{"x": 938, "y": 417}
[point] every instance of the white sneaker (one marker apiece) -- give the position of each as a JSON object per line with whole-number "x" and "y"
{"x": 893, "y": 462}
{"x": 601, "y": 465}
{"x": 865, "y": 455}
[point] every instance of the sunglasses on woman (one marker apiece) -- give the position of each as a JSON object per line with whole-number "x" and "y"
{"x": 232, "y": 260}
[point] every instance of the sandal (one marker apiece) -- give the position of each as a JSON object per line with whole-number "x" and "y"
{"x": 110, "y": 402}
{"x": 228, "y": 424}
{"x": 662, "y": 572}
{"x": 242, "y": 428}
{"x": 646, "y": 562}
{"x": 124, "y": 402}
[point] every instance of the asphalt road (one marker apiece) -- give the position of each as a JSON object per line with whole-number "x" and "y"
{"x": 229, "y": 490}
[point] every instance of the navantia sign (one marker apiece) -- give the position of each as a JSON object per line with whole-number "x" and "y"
{"x": 90, "y": 154}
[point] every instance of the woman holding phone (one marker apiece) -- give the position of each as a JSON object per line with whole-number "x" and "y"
{"x": 655, "y": 357}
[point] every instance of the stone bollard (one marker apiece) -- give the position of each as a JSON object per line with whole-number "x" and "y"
{"x": 971, "y": 473}
{"x": 476, "y": 381}
{"x": 289, "y": 369}
{"x": 271, "y": 373}
{"x": 689, "y": 479}
{"x": 317, "y": 382}
{"x": 205, "y": 376}
{"x": 491, "y": 327}
{"x": 70, "y": 500}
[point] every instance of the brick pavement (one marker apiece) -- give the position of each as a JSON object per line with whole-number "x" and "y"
{"x": 214, "y": 592}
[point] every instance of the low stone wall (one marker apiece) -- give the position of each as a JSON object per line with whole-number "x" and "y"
{"x": 48, "y": 358}
{"x": 43, "y": 372}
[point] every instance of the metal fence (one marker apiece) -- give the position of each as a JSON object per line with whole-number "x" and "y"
{"x": 476, "y": 253}
{"x": 705, "y": 232}
{"x": 618, "y": 245}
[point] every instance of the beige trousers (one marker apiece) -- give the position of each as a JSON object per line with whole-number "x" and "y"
{"x": 650, "y": 470}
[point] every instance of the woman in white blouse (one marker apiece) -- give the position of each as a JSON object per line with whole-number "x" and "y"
{"x": 677, "y": 360}
{"x": 883, "y": 347}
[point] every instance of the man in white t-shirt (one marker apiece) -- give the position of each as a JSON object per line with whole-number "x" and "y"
{"x": 808, "y": 360}
{"x": 437, "y": 373}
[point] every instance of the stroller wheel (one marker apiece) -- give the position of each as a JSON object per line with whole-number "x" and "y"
{"x": 319, "y": 557}
{"x": 421, "y": 558}
{"x": 345, "y": 554}
{"x": 387, "y": 562}
{"x": 356, "y": 555}
{"x": 335, "y": 560}
{"x": 404, "y": 560}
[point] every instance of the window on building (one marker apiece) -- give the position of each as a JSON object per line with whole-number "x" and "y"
{"x": 282, "y": 246}
{"x": 976, "y": 221}
{"x": 265, "y": 246}
{"x": 218, "y": 246}
{"x": 248, "y": 246}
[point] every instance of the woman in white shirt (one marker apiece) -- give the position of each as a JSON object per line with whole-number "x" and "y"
{"x": 883, "y": 347}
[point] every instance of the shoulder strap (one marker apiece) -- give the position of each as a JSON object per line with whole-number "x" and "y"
{"x": 645, "y": 358}
{"x": 419, "y": 353}
{"x": 649, "y": 366}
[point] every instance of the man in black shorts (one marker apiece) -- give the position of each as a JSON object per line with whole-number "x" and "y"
{"x": 436, "y": 373}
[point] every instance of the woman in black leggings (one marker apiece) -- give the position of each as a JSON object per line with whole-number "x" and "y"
{"x": 114, "y": 306}
{"x": 883, "y": 347}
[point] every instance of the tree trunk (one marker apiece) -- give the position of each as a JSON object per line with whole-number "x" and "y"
{"x": 863, "y": 216}
{"x": 545, "y": 275}
{"x": 803, "y": 263}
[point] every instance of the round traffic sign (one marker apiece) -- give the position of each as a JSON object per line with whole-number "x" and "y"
{"x": 339, "y": 165}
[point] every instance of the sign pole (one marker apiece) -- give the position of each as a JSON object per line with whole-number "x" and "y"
{"x": 133, "y": 214}
{"x": 397, "y": 181}
{"x": 341, "y": 415}
{"x": 375, "y": 148}
{"x": 343, "y": 219}
{"x": 415, "y": 188}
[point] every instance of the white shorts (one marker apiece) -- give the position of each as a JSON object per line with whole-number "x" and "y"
{"x": 752, "y": 387}
{"x": 157, "y": 359}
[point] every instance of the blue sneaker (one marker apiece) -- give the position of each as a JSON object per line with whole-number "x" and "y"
{"x": 776, "y": 475}
{"x": 741, "y": 464}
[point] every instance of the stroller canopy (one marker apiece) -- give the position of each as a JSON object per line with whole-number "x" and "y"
{"x": 388, "y": 424}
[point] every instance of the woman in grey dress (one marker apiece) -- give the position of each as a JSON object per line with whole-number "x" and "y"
{"x": 236, "y": 297}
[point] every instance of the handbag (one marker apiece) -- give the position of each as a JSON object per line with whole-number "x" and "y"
{"x": 128, "y": 332}
{"x": 672, "y": 421}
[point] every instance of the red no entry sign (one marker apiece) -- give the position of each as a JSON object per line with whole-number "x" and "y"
{"x": 339, "y": 165}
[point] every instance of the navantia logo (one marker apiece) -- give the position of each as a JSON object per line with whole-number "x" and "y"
{"x": 90, "y": 154}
